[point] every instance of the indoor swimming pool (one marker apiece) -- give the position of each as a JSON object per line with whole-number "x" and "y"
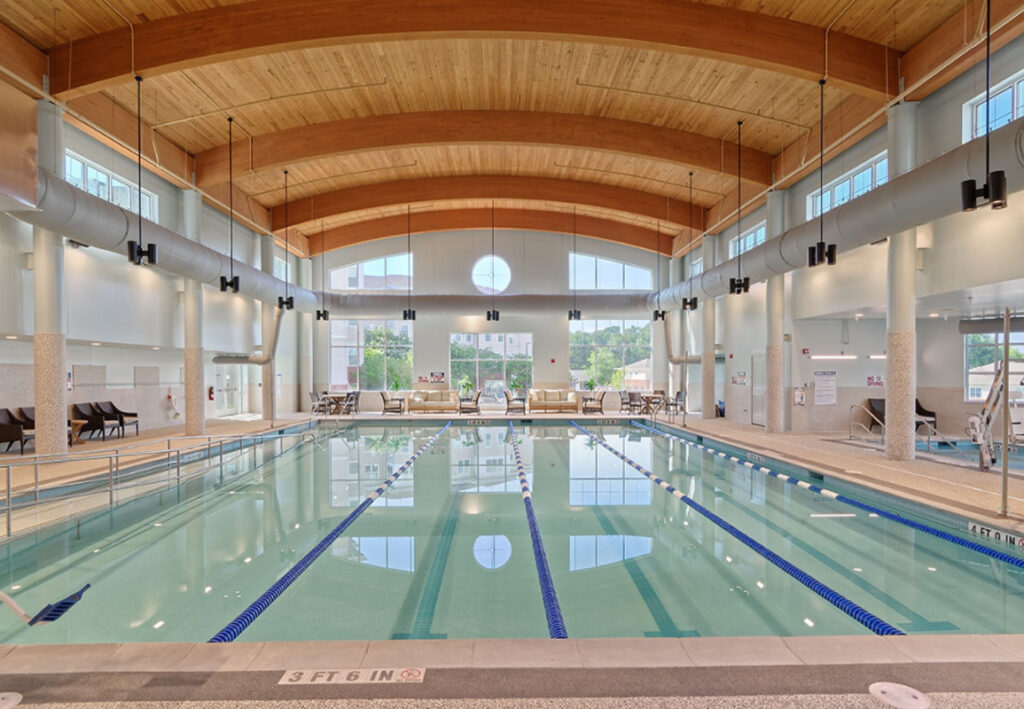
{"x": 492, "y": 531}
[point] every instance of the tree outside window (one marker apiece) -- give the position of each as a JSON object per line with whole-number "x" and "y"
{"x": 615, "y": 354}
{"x": 371, "y": 355}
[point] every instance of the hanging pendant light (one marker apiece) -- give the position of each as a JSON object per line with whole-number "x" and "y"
{"x": 230, "y": 281}
{"x": 287, "y": 302}
{"x": 739, "y": 284}
{"x": 137, "y": 251}
{"x": 995, "y": 189}
{"x": 658, "y": 313}
{"x": 492, "y": 315}
{"x": 574, "y": 313}
{"x": 821, "y": 252}
{"x": 323, "y": 314}
{"x": 408, "y": 313}
{"x": 690, "y": 303}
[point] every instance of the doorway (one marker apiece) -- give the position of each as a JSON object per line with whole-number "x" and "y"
{"x": 227, "y": 390}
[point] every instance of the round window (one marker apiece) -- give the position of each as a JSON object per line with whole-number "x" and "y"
{"x": 491, "y": 552}
{"x": 491, "y": 274}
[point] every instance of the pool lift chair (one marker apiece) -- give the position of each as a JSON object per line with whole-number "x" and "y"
{"x": 50, "y": 613}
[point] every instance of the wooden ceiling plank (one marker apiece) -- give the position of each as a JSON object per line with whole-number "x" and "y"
{"x": 25, "y": 62}
{"x": 263, "y": 26}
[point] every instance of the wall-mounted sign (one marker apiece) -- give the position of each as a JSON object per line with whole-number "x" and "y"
{"x": 825, "y": 388}
{"x": 799, "y": 396}
{"x": 876, "y": 381}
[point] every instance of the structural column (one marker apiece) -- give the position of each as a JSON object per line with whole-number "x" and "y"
{"x": 267, "y": 330}
{"x": 321, "y": 336}
{"x": 775, "y": 305}
{"x": 677, "y": 321}
{"x": 195, "y": 400}
{"x": 49, "y": 341}
{"x": 305, "y": 344}
{"x": 707, "y": 357}
{"x": 901, "y": 327}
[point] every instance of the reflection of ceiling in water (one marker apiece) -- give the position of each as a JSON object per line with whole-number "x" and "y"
{"x": 588, "y": 551}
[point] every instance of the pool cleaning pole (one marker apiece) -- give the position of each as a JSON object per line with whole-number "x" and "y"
{"x": 1006, "y": 411}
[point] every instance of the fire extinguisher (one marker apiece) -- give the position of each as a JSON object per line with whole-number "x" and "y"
{"x": 209, "y": 393}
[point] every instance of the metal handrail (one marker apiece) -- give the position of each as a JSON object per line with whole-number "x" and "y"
{"x": 42, "y": 494}
{"x": 933, "y": 431}
{"x": 867, "y": 429}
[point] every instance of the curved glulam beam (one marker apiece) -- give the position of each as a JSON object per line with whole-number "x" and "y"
{"x": 264, "y": 26}
{"x": 490, "y": 187}
{"x": 295, "y": 145}
{"x": 460, "y": 219}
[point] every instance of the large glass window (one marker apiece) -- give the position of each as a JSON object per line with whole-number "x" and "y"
{"x": 981, "y": 353}
{"x": 747, "y": 240}
{"x": 492, "y": 362}
{"x": 615, "y": 354}
{"x": 588, "y": 272}
{"x": 852, "y": 184}
{"x": 596, "y": 477}
{"x": 491, "y": 274}
{"x": 1006, "y": 102}
{"x": 371, "y": 355}
{"x": 102, "y": 183}
{"x": 482, "y": 460}
{"x": 384, "y": 273}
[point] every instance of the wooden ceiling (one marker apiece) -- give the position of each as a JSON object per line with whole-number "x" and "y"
{"x": 451, "y": 106}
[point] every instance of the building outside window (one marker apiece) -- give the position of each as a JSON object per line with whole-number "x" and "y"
{"x": 482, "y": 461}
{"x": 852, "y": 184}
{"x": 1006, "y": 102}
{"x": 371, "y": 355}
{"x": 360, "y": 463}
{"x": 743, "y": 243}
{"x": 615, "y": 354}
{"x": 981, "y": 353}
{"x": 588, "y": 272}
{"x": 599, "y": 478}
{"x": 101, "y": 182}
{"x": 492, "y": 362}
{"x": 384, "y": 273}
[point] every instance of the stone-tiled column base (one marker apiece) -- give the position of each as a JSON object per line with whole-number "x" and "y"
{"x": 51, "y": 396}
{"x": 900, "y": 388}
{"x": 195, "y": 399}
{"x": 775, "y": 395}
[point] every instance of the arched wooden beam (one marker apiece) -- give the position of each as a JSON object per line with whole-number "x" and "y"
{"x": 491, "y": 187}
{"x": 643, "y": 140}
{"x": 263, "y": 26}
{"x": 459, "y": 219}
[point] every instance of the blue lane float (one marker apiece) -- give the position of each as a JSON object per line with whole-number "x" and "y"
{"x": 871, "y": 509}
{"x": 862, "y": 616}
{"x": 233, "y": 629}
{"x": 556, "y": 626}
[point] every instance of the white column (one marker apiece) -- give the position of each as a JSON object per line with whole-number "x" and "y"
{"x": 195, "y": 399}
{"x": 266, "y": 330}
{"x": 775, "y": 306}
{"x": 677, "y": 319}
{"x": 49, "y": 341}
{"x": 321, "y": 338}
{"x": 901, "y": 329}
{"x": 707, "y": 357}
{"x": 304, "y": 272}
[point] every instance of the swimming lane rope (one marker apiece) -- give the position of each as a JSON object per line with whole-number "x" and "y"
{"x": 233, "y": 629}
{"x": 952, "y": 538}
{"x": 862, "y": 616}
{"x": 556, "y": 626}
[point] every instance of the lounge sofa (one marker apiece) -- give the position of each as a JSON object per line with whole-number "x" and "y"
{"x": 553, "y": 400}
{"x": 446, "y": 400}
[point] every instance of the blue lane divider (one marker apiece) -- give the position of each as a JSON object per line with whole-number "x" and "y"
{"x": 556, "y": 626}
{"x": 233, "y": 629}
{"x": 862, "y": 616}
{"x": 946, "y": 536}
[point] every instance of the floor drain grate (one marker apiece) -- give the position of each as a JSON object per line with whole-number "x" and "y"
{"x": 10, "y": 699}
{"x": 900, "y": 695}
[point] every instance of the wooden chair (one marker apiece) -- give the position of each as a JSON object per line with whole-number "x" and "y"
{"x": 391, "y": 406}
{"x": 514, "y": 405}
{"x": 93, "y": 421}
{"x": 12, "y": 430}
{"x": 623, "y": 401}
{"x": 470, "y": 406}
{"x": 635, "y": 403}
{"x": 596, "y": 405}
{"x": 110, "y": 412}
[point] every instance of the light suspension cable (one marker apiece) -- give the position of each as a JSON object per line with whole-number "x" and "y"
{"x": 137, "y": 251}
{"x": 323, "y": 314}
{"x": 232, "y": 280}
{"x": 739, "y": 284}
{"x": 574, "y": 313}
{"x": 492, "y": 314}
{"x": 408, "y": 313}
{"x": 690, "y": 303}
{"x": 820, "y": 253}
{"x": 658, "y": 313}
{"x": 287, "y": 302}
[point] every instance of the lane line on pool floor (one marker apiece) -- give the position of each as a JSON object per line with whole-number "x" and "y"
{"x": 862, "y": 616}
{"x": 233, "y": 629}
{"x": 946, "y": 536}
{"x": 553, "y": 612}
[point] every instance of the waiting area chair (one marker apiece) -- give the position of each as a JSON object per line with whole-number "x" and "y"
{"x": 94, "y": 422}
{"x": 392, "y": 406}
{"x": 471, "y": 405}
{"x": 513, "y": 404}
{"x": 12, "y": 430}
{"x": 877, "y": 409}
{"x": 110, "y": 412}
{"x": 594, "y": 405}
{"x": 320, "y": 403}
{"x": 676, "y": 404}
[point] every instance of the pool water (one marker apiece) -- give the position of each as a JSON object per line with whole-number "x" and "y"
{"x": 446, "y": 551}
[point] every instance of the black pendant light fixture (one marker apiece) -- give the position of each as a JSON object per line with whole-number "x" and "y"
{"x": 323, "y": 313}
{"x": 739, "y": 284}
{"x": 821, "y": 252}
{"x": 287, "y": 302}
{"x": 492, "y": 315}
{"x": 995, "y": 189}
{"x": 408, "y": 313}
{"x": 230, "y": 281}
{"x": 137, "y": 251}
{"x": 658, "y": 314}
{"x": 690, "y": 303}
{"x": 574, "y": 313}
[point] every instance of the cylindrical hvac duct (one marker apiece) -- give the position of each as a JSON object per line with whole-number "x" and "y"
{"x": 927, "y": 193}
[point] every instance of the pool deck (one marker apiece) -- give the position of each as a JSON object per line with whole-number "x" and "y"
{"x": 822, "y": 672}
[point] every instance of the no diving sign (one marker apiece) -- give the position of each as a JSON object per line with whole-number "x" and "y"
{"x": 360, "y": 676}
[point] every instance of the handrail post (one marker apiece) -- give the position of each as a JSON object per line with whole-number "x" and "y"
{"x": 110, "y": 482}
{"x": 10, "y": 501}
{"x": 35, "y": 490}
{"x": 177, "y": 456}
